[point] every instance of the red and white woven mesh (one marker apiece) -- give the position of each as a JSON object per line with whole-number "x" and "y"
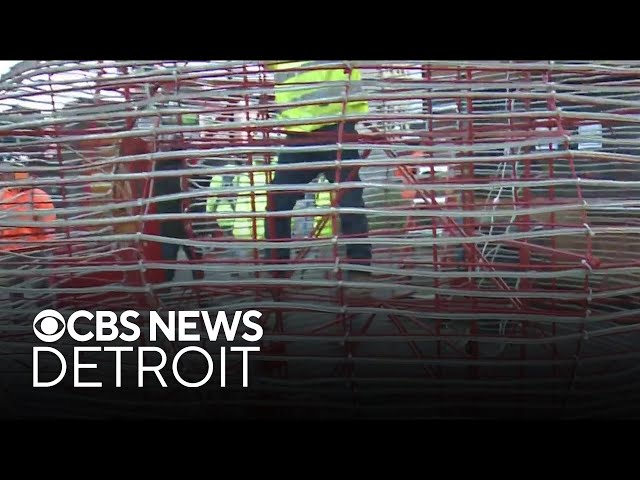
{"x": 502, "y": 198}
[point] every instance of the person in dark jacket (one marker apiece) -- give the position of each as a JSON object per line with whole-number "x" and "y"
{"x": 174, "y": 229}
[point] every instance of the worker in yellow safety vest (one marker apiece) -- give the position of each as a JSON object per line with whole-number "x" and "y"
{"x": 222, "y": 203}
{"x": 242, "y": 227}
{"x": 319, "y": 105}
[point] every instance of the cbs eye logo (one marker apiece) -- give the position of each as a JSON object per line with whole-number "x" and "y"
{"x": 51, "y": 326}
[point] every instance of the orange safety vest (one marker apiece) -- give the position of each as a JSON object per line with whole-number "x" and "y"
{"x": 412, "y": 170}
{"x": 27, "y": 201}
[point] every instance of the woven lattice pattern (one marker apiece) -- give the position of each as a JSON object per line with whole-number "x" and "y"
{"x": 502, "y": 200}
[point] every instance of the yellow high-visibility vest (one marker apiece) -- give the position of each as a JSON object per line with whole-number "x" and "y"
{"x": 190, "y": 119}
{"x": 243, "y": 226}
{"x": 220, "y": 204}
{"x": 291, "y": 86}
{"x": 323, "y": 200}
